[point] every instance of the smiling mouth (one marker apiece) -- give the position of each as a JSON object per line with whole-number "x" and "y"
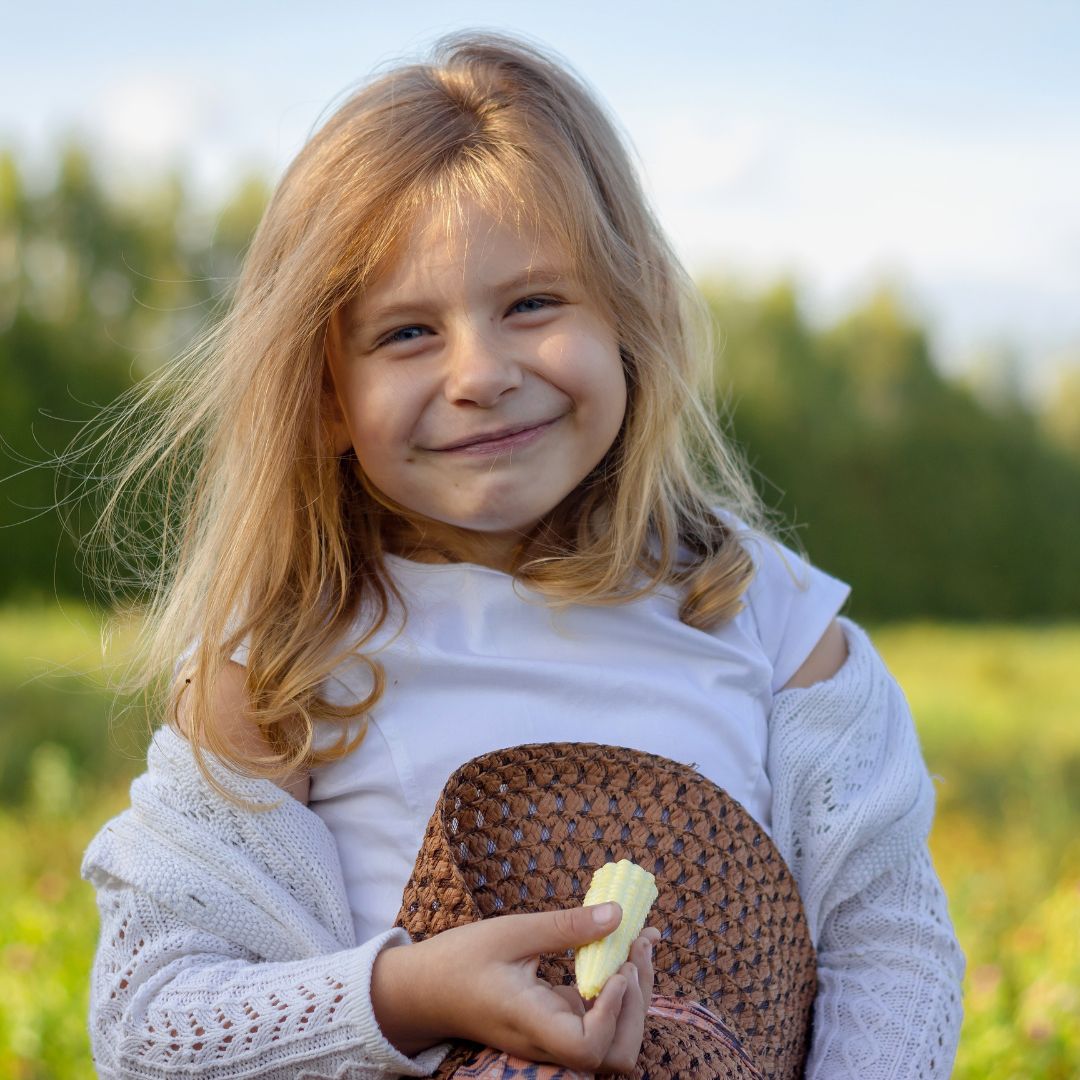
{"x": 506, "y": 438}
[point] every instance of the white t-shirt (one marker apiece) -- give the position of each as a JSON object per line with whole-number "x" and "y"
{"x": 483, "y": 663}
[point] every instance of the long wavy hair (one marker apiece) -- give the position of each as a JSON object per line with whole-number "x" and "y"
{"x": 266, "y": 536}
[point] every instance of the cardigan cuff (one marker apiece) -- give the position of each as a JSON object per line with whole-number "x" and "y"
{"x": 360, "y": 1012}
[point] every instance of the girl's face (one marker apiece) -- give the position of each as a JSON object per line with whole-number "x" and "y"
{"x": 478, "y": 382}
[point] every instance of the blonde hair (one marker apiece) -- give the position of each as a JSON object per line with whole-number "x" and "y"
{"x": 272, "y": 539}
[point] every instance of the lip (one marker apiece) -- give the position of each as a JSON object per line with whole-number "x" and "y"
{"x": 501, "y": 439}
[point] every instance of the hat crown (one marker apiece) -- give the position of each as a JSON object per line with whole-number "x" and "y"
{"x": 523, "y": 829}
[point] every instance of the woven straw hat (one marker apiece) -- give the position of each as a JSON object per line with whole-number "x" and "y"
{"x": 523, "y": 829}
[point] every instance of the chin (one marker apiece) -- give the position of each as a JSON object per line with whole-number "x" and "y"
{"x": 496, "y": 515}
{"x": 496, "y": 525}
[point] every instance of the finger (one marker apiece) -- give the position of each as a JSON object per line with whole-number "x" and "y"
{"x": 601, "y": 1021}
{"x": 625, "y": 1046}
{"x": 582, "y": 1042}
{"x": 572, "y": 998}
{"x": 641, "y": 953}
{"x": 519, "y": 936}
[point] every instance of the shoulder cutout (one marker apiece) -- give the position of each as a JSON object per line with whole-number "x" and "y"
{"x": 824, "y": 661}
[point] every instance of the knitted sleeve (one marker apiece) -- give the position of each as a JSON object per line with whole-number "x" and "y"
{"x": 889, "y": 972}
{"x": 852, "y": 807}
{"x": 168, "y": 999}
{"x": 226, "y": 947}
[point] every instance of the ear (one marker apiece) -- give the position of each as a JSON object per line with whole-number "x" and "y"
{"x": 333, "y": 412}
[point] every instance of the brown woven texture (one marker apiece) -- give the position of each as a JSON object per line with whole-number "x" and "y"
{"x": 523, "y": 829}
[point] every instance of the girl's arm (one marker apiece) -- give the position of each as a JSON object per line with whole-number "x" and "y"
{"x": 889, "y": 981}
{"x": 168, "y": 998}
{"x": 478, "y": 982}
{"x": 230, "y": 714}
{"x": 824, "y": 661}
{"x": 227, "y": 949}
{"x": 852, "y": 807}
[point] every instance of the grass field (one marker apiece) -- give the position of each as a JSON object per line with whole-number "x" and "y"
{"x": 997, "y": 709}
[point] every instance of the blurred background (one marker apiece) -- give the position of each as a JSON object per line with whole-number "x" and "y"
{"x": 879, "y": 203}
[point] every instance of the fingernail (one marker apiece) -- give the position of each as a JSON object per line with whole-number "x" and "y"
{"x": 603, "y": 913}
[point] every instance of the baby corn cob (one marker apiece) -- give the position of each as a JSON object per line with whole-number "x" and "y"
{"x": 635, "y": 890}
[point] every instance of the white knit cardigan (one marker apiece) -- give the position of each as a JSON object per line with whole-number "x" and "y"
{"x": 227, "y": 947}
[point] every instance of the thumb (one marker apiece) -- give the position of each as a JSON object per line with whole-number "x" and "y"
{"x": 557, "y": 931}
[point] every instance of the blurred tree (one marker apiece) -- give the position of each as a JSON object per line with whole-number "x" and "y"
{"x": 94, "y": 294}
{"x": 1061, "y": 411}
{"x": 926, "y": 500}
{"x": 931, "y": 498}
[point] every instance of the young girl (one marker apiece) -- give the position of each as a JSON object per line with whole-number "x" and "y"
{"x": 453, "y": 488}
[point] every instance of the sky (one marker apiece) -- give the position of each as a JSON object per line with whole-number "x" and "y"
{"x": 931, "y": 146}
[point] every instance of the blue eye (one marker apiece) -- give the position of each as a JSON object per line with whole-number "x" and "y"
{"x": 403, "y": 333}
{"x": 534, "y": 303}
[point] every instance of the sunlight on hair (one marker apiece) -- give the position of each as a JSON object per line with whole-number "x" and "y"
{"x": 260, "y": 533}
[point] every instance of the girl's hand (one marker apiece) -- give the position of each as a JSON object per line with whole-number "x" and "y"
{"x": 478, "y": 982}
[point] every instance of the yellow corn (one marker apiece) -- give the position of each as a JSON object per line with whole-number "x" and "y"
{"x": 635, "y": 890}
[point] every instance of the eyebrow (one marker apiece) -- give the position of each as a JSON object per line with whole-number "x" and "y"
{"x": 536, "y": 277}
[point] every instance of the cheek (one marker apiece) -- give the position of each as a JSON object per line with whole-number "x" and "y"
{"x": 607, "y": 389}
{"x": 612, "y": 398}
{"x": 383, "y": 412}
{"x": 615, "y": 386}
{"x": 587, "y": 368}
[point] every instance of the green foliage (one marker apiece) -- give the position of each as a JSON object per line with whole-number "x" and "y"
{"x": 995, "y": 706}
{"x": 1062, "y": 416}
{"x": 47, "y": 938}
{"x": 95, "y": 293}
{"x": 56, "y": 690}
{"x": 65, "y": 760}
{"x": 928, "y": 500}
{"x": 921, "y": 497}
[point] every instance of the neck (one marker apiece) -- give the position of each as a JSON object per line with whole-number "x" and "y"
{"x": 438, "y": 543}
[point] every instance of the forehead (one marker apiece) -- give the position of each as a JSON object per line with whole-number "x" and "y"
{"x": 460, "y": 245}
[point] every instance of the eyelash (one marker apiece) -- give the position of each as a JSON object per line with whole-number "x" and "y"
{"x": 544, "y": 302}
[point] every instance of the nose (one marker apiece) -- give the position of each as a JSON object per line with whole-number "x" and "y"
{"x": 480, "y": 367}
